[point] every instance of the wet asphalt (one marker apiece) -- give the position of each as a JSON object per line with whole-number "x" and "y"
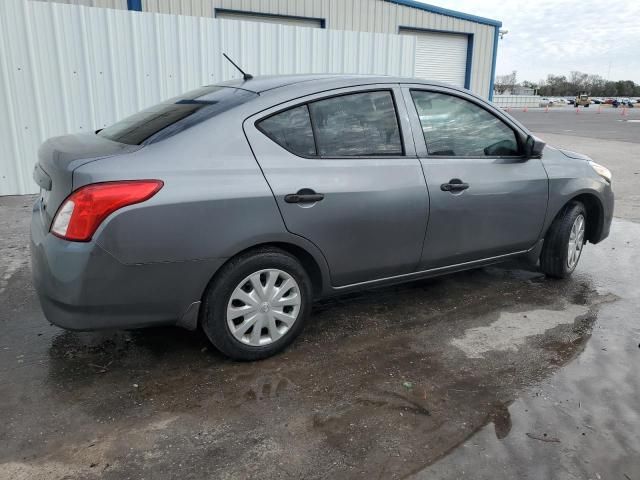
{"x": 601, "y": 122}
{"x": 492, "y": 373}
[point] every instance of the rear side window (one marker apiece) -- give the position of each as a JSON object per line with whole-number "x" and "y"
{"x": 453, "y": 126}
{"x": 353, "y": 125}
{"x": 292, "y": 130}
{"x": 175, "y": 115}
{"x": 360, "y": 124}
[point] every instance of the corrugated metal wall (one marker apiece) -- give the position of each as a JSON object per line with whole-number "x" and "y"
{"x": 66, "y": 68}
{"x": 119, "y": 4}
{"x": 357, "y": 15}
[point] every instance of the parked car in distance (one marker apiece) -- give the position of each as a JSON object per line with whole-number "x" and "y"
{"x": 234, "y": 206}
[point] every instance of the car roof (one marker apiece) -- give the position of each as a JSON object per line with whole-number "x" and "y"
{"x": 270, "y": 92}
{"x": 261, "y": 84}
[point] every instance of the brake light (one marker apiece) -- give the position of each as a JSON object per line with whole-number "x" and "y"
{"x": 84, "y": 210}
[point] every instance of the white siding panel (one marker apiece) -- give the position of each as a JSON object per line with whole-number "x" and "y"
{"x": 70, "y": 69}
{"x": 358, "y": 15}
{"x": 119, "y": 4}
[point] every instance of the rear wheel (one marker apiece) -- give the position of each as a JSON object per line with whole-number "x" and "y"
{"x": 257, "y": 304}
{"x": 564, "y": 242}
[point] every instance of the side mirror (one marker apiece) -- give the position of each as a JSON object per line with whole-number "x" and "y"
{"x": 534, "y": 147}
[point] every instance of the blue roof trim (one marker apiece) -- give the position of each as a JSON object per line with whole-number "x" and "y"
{"x": 135, "y": 5}
{"x": 467, "y": 71}
{"x": 496, "y": 39}
{"x": 447, "y": 12}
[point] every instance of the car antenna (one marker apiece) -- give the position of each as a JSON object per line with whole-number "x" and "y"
{"x": 245, "y": 76}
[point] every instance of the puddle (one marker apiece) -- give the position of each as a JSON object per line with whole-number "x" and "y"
{"x": 512, "y": 329}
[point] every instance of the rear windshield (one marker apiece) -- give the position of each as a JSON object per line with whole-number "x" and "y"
{"x": 175, "y": 115}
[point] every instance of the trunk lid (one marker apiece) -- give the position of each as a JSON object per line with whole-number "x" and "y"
{"x": 58, "y": 157}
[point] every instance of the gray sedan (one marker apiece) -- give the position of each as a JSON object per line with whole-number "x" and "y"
{"x": 232, "y": 207}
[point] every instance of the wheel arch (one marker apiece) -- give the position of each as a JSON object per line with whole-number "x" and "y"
{"x": 313, "y": 263}
{"x": 308, "y": 261}
{"x": 595, "y": 215}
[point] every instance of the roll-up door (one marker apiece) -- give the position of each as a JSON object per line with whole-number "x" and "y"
{"x": 440, "y": 56}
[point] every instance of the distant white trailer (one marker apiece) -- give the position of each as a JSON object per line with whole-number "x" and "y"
{"x": 517, "y": 101}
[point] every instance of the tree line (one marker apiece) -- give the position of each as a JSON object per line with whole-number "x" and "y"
{"x": 561, "y": 85}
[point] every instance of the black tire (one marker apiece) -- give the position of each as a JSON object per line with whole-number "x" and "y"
{"x": 554, "y": 256}
{"x": 214, "y": 318}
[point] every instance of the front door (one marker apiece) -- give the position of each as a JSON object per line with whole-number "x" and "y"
{"x": 345, "y": 178}
{"x": 486, "y": 199}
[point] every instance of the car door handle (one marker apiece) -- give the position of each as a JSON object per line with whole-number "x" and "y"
{"x": 305, "y": 195}
{"x": 454, "y": 185}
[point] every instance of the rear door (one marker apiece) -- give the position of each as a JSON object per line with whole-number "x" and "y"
{"x": 343, "y": 169}
{"x": 487, "y": 199}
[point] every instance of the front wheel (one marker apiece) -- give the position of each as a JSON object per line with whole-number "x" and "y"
{"x": 564, "y": 242}
{"x": 257, "y": 304}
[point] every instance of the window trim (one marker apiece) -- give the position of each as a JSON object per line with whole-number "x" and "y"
{"x": 517, "y": 133}
{"x": 317, "y": 156}
{"x": 321, "y": 21}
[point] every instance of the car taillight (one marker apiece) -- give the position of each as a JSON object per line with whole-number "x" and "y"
{"x": 83, "y": 211}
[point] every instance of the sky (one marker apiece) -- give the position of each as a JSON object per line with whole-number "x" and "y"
{"x": 545, "y": 36}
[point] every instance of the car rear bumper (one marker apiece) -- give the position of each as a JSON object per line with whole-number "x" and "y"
{"x": 83, "y": 287}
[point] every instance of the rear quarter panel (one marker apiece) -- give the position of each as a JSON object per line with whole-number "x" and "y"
{"x": 214, "y": 203}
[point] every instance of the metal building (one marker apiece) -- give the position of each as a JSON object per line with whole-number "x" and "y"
{"x": 452, "y": 46}
{"x": 67, "y": 67}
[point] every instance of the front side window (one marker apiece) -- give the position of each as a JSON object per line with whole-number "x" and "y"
{"x": 359, "y": 124}
{"x": 453, "y": 126}
{"x": 292, "y": 130}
